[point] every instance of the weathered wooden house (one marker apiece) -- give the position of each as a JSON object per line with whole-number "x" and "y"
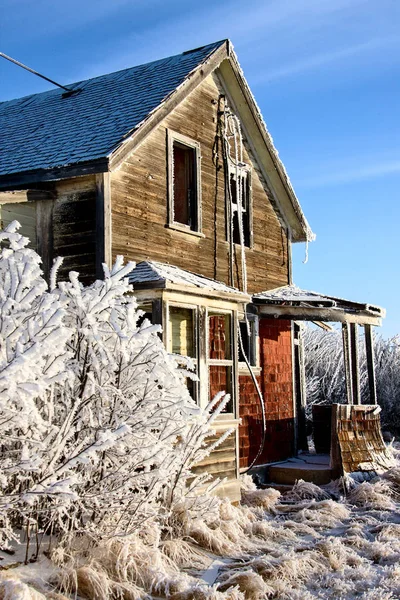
{"x": 170, "y": 164}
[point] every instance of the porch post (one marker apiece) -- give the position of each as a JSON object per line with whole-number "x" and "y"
{"x": 355, "y": 373}
{"x": 369, "y": 347}
{"x": 300, "y": 388}
{"x": 347, "y": 362}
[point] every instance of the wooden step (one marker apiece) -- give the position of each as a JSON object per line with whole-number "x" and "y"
{"x": 315, "y": 469}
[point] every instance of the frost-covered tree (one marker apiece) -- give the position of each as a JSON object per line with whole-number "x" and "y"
{"x": 99, "y": 432}
{"x": 325, "y": 377}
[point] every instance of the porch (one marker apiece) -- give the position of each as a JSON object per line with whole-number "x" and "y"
{"x": 347, "y": 436}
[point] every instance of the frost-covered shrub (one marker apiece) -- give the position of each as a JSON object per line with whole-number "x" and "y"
{"x": 325, "y": 377}
{"x": 98, "y": 430}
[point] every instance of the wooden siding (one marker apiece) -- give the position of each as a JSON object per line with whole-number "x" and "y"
{"x": 74, "y": 227}
{"x": 140, "y": 210}
{"x": 222, "y": 461}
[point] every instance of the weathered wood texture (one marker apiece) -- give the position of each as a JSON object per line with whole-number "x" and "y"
{"x": 74, "y": 227}
{"x": 222, "y": 461}
{"x": 140, "y": 210}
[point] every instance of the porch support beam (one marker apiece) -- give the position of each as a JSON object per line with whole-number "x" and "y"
{"x": 300, "y": 313}
{"x": 355, "y": 372}
{"x": 369, "y": 347}
{"x": 347, "y": 362}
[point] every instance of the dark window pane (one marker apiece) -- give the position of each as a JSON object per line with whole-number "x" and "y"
{"x": 245, "y": 209}
{"x": 220, "y": 380}
{"x": 219, "y": 337}
{"x": 184, "y": 185}
{"x": 245, "y": 341}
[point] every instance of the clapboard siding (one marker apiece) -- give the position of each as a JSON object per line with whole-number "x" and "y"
{"x": 221, "y": 462}
{"x": 74, "y": 227}
{"x": 139, "y": 204}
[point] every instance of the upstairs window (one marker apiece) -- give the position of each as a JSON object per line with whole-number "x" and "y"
{"x": 184, "y": 183}
{"x": 239, "y": 182}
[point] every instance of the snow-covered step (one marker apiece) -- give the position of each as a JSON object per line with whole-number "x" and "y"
{"x": 314, "y": 468}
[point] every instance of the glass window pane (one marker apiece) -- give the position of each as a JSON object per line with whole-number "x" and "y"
{"x": 25, "y": 214}
{"x": 219, "y": 337}
{"x": 220, "y": 380}
{"x": 181, "y": 331}
{"x": 184, "y": 185}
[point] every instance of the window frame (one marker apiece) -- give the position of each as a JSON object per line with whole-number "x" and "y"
{"x": 247, "y": 169}
{"x": 172, "y": 137}
{"x": 168, "y": 338}
{"x": 255, "y": 347}
{"x": 210, "y": 311}
{"x": 33, "y": 244}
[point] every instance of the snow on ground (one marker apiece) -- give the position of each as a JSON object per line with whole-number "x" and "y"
{"x": 301, "y": 545}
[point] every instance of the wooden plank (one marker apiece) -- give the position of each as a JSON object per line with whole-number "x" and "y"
{"x": 103, "y": 223}
{"x": 44, "y": 229}
{"x": 335, "y": 454}
{"x": 56, "y": 174}
{"x": 355, "y": 370}
{"x": 347, "y": 362}
{"x": 369, "y": 347}
{"x": 312, "y": 313}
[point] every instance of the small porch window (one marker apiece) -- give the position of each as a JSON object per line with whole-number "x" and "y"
{"x": 240, "y": 187}
{"x": 25, "y": 214}
{"x": 184, "y": 210}
{"x": 249, "y": 337}
{"x": 220, "y": 362}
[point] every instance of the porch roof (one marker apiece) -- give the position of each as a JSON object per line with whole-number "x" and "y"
{"x": 292, "y": 302}
{"x": 151, "y": 275}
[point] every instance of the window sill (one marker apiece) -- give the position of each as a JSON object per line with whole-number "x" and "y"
{"x": 184, "y": 229}
{"x": 225, "y": 421}
{"x": 244, "y": 370}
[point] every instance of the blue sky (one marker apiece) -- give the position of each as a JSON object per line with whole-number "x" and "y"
{"x": 326, "y": 75}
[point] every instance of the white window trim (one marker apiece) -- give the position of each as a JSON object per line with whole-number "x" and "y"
{"x": 195, "y": 359}
{"x": 227, "y": 363}
{"x": 173, "y": 136}
{"x": 242, "y": 366}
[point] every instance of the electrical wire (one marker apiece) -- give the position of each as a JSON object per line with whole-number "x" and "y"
{"x": 20, "y": 64}
{"x": 261, "y": 399}
{"x": 231, "y": 129}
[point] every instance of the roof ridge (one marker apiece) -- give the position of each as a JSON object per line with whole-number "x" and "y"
{"x": 213, "y": 45}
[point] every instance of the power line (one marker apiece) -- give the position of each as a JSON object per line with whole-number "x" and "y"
{"x": 16, "y": 62}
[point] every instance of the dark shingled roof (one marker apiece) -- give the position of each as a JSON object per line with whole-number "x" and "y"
{"x": 46, "y": 131}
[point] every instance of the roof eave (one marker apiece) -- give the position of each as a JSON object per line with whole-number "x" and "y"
{"x": 12, "y": 180}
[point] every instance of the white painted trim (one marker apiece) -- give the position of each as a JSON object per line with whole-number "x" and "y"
{"x": 174, "y": 136}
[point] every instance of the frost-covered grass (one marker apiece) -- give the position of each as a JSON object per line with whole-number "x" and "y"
{"x": 299, "y": 545}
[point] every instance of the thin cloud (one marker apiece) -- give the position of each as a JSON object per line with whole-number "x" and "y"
{"x": 349, "y": 176}
{"x": 320, "y": 60}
